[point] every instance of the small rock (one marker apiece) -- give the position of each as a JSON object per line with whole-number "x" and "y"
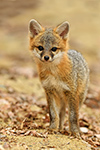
{"x": 97, "y": 135}
{"x": 84, "y": 129}
{"x": 2, "y": 136}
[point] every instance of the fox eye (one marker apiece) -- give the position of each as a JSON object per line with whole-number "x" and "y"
{"x": 54, "y": 49}
{"x": 40, "y": 48}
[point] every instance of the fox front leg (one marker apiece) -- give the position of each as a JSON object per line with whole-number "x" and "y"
{"x": 53, "y": 110}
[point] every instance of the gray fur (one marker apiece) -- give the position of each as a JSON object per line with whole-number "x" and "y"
{"x": 80, "y": 71}
{"x": 47, "y": 39}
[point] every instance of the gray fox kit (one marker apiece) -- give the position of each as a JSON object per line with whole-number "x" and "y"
{"x": 63, "y": 73}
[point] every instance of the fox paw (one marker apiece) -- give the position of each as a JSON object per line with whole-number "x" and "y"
{"x": 52, "y": 131}
{"x": 75, "y": 135}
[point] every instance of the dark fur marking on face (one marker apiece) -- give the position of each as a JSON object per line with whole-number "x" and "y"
{"x": 42, "y": 53}
{"x": 52, "y": 55}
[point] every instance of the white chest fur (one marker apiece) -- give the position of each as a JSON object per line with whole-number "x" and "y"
{"x": 52, "y": 82}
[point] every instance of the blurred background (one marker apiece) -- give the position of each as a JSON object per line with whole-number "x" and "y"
{"x": 84, "y": 19}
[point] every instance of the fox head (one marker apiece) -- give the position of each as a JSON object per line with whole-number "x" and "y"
{"x": 49, "y": 44}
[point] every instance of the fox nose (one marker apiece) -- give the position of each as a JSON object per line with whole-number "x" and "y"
{"x": 46, "y": 57}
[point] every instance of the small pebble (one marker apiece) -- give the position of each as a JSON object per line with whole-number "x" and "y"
{"x": 2, "y": 136}
{"x": 84, "y": 129}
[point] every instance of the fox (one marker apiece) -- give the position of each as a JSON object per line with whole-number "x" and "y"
{"x": 64, "y": 73}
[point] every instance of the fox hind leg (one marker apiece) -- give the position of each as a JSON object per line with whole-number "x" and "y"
{"x": 62, "y": 116}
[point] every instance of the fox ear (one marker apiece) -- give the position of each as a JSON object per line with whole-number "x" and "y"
{"x": 34, "y": 28}
{"x": 63, "y": 30}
